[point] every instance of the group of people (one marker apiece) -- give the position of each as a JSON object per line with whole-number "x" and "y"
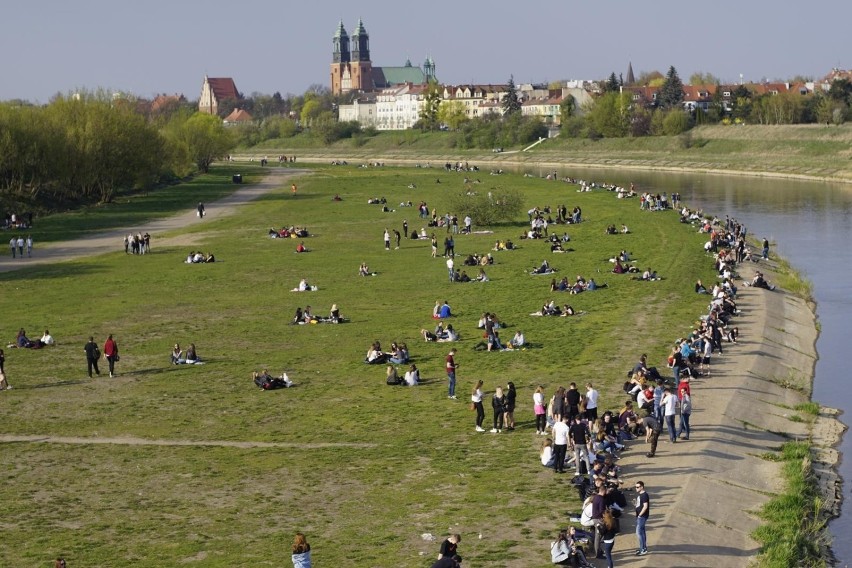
{"x": 397, "y": 355}
{"x": 306, "y": 316}
{"x": 16, "y": 245}
{"x": 580, "y": 284}
{"x": 188, "y": 357}
{"x": 93, "y": 354}
{"x": 198, "y": 257}
{"x": 137, "y": 244}
{"x": 291, "y": 232}
{"x": 24, "y": 342}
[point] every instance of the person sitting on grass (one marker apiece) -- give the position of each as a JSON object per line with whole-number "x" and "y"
{"x": 759, "y": 282}
{"x": 567, "y": 311}
{"x": 518, "y": 341}
{"x": 192, "y": 357}
{"x": 393, "y": 377}
{"x": 412, "y": 376}
{"x": 375, "y": 356}
{"x": 364, "y": 270}
{"x": 444, "y": 311}
{"x": 448, "y": 335}
{"x": 398, "y": 354}
{"x": 178, "y": 357}
{"x": 304, "y": 286}
{"x": 47, "y": 339}
{"x": 301, "y": 247}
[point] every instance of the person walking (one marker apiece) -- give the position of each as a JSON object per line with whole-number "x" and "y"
{"x": 591, "y": 403}
{"x": 4, "y": 384}
{"x": 29, "y": 246}
{"x": 301, "y": 556}
{"x": 539, "y": 410}
{"x": 476, "y": 401}
{"x": 653, "y": 427}
{"x": 643, "y": 510}
{"x": 20, "y": 247}
{"x": 200, "y": 210}
{"x": 111, "y": 354}
{"x": 93, "y": 353}
{"x": 451, "y": 373}
{"x": 685, "y": 412}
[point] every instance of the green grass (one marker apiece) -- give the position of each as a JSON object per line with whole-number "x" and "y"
{"x": 367, "y": 468}
{"x": 792, "y": 532}
{"x": 797, "y": 150}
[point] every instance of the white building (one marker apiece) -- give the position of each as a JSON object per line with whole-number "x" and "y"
{"x": 399, "y": 108}
{"x": 362, "y": 110}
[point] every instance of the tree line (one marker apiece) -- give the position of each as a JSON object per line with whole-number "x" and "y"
{"x": 88, "y": 146}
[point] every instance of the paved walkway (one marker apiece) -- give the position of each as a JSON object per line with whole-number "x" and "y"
{"x": 113, "y": 240}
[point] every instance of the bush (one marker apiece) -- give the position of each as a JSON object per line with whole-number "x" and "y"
{"x": 676, "y": 122}
{"x": 488, "y": 208}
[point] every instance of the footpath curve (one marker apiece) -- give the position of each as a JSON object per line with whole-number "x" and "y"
{"x": 112, "y": 240}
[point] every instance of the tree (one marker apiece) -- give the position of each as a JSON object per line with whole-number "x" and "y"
{"x": 488, "y": 208}
{"x": 567, "y": 108}
{"x": 610, "y": 115}
{"x": 511, "y": 102}
{"x": 205, "y": 139}
{"x": 840, "y": 90}
{"x": 698, "y": 78}
{"x": 431, "y": 105}
{"x": 676, "y": 122}
{"x": 452, "y": 113}
{"x": 612, "y": 85}
{"x": 310, "y": 110}
{"x": 648, "y": 77}
{"x": 671, "y": 93}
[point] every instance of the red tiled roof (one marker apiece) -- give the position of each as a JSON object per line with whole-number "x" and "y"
{"x": 238, "y": 115}
{"x": 223, "y": 88}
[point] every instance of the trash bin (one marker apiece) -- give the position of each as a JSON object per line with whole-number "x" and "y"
{"x": 237, "y": 178}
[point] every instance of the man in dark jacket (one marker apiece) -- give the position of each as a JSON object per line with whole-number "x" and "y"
{"x": 93, "y": 353}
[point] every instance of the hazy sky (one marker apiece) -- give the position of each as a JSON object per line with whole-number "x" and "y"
{"x": 160, "y": 46}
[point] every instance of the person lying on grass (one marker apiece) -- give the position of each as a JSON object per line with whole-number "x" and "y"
{"x": 267, "y": 382}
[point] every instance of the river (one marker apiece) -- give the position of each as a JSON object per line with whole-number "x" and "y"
{"x": 808, "y": 223}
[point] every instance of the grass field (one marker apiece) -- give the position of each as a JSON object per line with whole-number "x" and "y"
{"x": 811, "y": 150}
{"x": 362, "y": 468}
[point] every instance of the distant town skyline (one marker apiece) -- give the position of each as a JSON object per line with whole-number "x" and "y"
{"x": 51, "y": 46}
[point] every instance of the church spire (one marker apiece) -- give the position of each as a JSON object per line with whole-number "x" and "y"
{"x": 360, "y": 43}
{"x": 630, "y": 79}
{"x": 340, "y": 41}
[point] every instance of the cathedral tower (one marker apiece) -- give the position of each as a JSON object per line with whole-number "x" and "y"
{"x": 339, "y": 59}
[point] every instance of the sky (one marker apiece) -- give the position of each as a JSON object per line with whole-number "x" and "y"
{"x": 167, "y": 46}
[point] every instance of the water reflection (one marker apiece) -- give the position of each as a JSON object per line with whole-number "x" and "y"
{"x": 808, "y": 223}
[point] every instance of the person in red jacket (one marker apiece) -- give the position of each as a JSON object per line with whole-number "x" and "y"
{"x": 111, "y": 353}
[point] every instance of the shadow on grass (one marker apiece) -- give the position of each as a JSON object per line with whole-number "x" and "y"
{"x": 50, "y": 385}
{"x": 43, "y": 272}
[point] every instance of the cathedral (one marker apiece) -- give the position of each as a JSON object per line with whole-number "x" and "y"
{"x": 352, "y": 69}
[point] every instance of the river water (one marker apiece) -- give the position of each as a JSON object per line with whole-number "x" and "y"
{"x": 808, "y": 223}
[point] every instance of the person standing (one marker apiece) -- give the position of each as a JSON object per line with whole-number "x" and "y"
{"x": 511, "y": 396}
{"x": 29, "y": 246}
{"x": 653, "y": 427}
{"x": 572, "y": 399}
{"x": 669, "y": 405}
{"x": 12, "y": 243}
{"x": 387, "y": 239}
{"x": 591, "y": 403}
{"x": 111, "y": 353}
{"x": 293, "y": 187}
{"x": 398, "y": 237}
{"x": 93, "y": 353}
{"x": 498, "y": 404}
{"x": 765, "y": 249}
{"x": 21, "y": 247}
{"x": 580, "y": 438}
{"x": 609, "y": 529}
{"x": 560, "y": 444}
{"x": 405, "y": 227}
{"x": 685, "y": 412}
{"x": 451, "y": 373}
{"x": 200, "y": 210}
{"x": 434, "y": 246}
{"x": 476, "y": 400}
{"x": 301, "y": 556}
{"x": 450, "y": 271}
{"x": 539, "y": 410}
{"x": 643, "y": 510}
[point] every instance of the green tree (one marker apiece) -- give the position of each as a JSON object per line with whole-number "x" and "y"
{"x": 511, "y": 103}
{"x": 567, "y": 108}
{"x": 676, "y": 122}
{"x": 742, "y": 106}
{"x": 310, "y": 110}
{"x": 488, "y": 208}
{"x": 205, "y": 139}
{"x": 698, "y": 78}
{"x": 610, "y": 115}
{"x": 452, "y": 113}
{"x": 671, "y": 93}
{"x": 612, "y": 85}
{"x": 431, "y": 104}
{"x": 650, "y": 78}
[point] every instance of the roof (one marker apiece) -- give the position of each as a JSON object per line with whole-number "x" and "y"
{"x": 238, "y": 115}
{"x": 223, "y": 88}
{"x": 388, "y": 76}
{"x": 161, "y": 101}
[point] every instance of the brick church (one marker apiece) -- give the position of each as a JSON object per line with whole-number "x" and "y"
{"x": 352, "y": 69}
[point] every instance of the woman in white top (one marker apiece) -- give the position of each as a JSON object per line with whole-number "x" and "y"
{"x": 540, "y": 411}
{"x": 476, "y": 400}
{"x": 412, "y": 376}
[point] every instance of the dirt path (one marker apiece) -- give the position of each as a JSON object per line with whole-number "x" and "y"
{"x": 705, "y": 491}
{"x": 112, "y": 240}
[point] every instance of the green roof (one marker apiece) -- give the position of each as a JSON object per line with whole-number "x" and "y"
{"x": 389, "y": 76}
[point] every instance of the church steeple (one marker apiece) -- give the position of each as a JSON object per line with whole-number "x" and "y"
{"x": 630, "y": 79}
{"x": 340, "y": 53}
{"x": 360, "y": 43}
{"x": 429, "y": 69}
